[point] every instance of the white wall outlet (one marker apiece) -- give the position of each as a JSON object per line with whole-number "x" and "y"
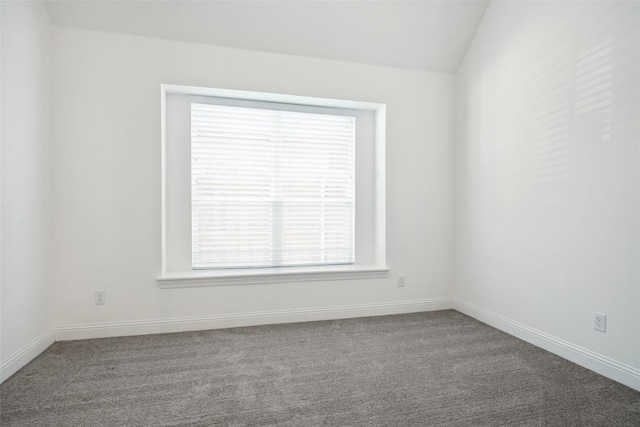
{"x": 100, "y": 297}
{"x": 401, "y": 280}
{"x": 600, "y": 322}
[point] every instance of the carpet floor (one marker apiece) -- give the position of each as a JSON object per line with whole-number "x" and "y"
{"x": 423, "y": 369}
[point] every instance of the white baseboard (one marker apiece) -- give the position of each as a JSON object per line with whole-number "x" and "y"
{"x": 26, "y": 354}
{"x": 620, "y": 372}
{"x": 603, "y": 365}
{"x": 158, "y": 326}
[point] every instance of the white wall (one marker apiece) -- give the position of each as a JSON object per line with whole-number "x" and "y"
{"x": 547, "y": 188}
{"x": 26, "y": 182}
{"x": 107, "y": 176}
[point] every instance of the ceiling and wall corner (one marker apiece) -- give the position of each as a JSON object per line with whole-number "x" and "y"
{"x": 423, "y": 35}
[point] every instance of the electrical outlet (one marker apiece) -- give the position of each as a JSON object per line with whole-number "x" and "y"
{"x": 100, "y": 297}
{"x": 401, "y": 280}
{"x": 600, "y": 322}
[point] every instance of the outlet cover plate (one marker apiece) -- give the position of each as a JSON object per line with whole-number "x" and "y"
{"x": 401, "y": 280}
{"x": 100, "y": 297}
{"x": 600, "y": 322}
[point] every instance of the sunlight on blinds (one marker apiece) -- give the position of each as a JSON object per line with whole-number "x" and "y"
{"x": 271, "y": 188}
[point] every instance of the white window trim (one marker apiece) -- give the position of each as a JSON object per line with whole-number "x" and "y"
{"x": 270, "y": 275}
{"x": 172, "y": 279}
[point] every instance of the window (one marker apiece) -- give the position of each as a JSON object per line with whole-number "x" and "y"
{"x": 271, "y": 188}
{"x": 268, "y": 188}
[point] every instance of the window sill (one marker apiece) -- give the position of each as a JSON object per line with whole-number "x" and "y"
{"x": 270, "y": 275}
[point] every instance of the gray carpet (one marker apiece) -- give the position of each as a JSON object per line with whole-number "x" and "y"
{"x": 424, "y": 369}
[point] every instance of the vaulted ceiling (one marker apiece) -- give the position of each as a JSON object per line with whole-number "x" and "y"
{"x": 424, "y": 35}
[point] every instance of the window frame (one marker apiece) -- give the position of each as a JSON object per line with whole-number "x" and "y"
{"x": 374, "y": 267}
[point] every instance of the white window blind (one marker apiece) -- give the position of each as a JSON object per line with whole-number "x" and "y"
{"x": 271, "y": 188}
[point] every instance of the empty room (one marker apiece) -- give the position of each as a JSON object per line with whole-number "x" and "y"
{"x": 320, "y": 213}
